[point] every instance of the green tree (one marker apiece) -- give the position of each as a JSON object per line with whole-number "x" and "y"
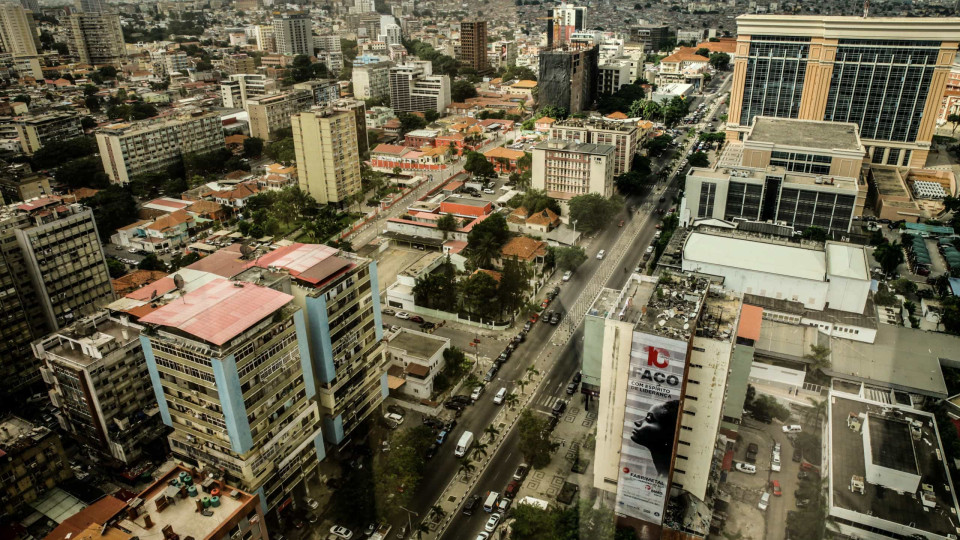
{"x": 282, "y": 151}
{"x": 657, "y": 145}
{"x": 447, "y": 223}
{"x": 764, "y": 408}
{"x": 537, "y": 200}
{"x": 431, "y": 115}
{"x": 486, "y": 239}
{"x": 719, "y": 60}
{"x": 699, "y": 159}
{"x": 593, "y": 212}
{"x": 532, "y": 522}
{"x": 22, "y": 98}
{"x": 955, "y": 120}
{"x": 568, "y": 258}
{"x": 476, "y": 292}
{"x": 87, "y": 123}
{"x": 83, "y": 172}
{"x": 462, "y": 90}
{"x": 631, "y": 183}
{"x": 438, "y": 289}
{"x": 410, "y": 122}
{"x": 116, "y": 268}
{"x": 55, "y": 152}
{"x": 890, "y": 256}
{"x": 819, "y": 356}
{"x": 151, "y": 262}
{"x": 478, "y": 165}
{"x": 513, "y": 286}
{"x": 703, "y": 51}
{"x": 534, "y": 439}
{"x": 252, "y": 147}
{"x": 818, "y": 234}
{"x": 92, "y": 103}
{"x": 398, "y": 473}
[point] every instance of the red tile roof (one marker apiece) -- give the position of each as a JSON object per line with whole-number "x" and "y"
{"x": 524, "y": 248}
{"x": 97, "y": 513}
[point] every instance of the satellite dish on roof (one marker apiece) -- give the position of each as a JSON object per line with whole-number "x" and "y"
{"x": 178, "y": 282}
{"x": 246, "y": 250}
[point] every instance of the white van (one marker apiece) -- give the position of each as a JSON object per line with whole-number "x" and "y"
{"x": 490, "y": 503}
{"x": 795, "y": 428}
{"x": 501, "y": 395}
{"x": 466, "y": 440}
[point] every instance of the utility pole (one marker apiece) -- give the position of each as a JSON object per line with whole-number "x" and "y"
{"x": 409, "y": 519}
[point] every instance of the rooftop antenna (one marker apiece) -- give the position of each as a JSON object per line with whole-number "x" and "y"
{"x": 866, "y": 8}
{"x": 178, "y": 282}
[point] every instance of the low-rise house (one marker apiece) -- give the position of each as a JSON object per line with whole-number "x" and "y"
{"x": 420, "y": 356}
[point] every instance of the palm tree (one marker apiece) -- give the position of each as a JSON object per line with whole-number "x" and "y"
{"x": 819, "y": 409}
{"x": 532, "y": 372}
{"x": 421, "y": 528}
{"x": 492, "y": 431}
{"x": 480, "y": 449}
{"x": 512, "y": 400}
{"x": 819, "y": 357}
{"x": 467, "y": 468}
{"x": 522, "y": 384}
{"x": 438, "y": 512}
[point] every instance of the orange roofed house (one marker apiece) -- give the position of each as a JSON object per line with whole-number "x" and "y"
{"x": 684, "y": 66}
{"x": 504, "y": 160}
{"x": 526, "y": 250}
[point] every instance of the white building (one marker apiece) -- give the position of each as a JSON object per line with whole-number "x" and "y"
{"x": 566, "y": 169}
{"x": 834, "y": 275}
{"x": 371, "y": 80}
{"x": 420, "y": 357}
{"x": 414, "y": 88}
{"x": 294, "y": 35}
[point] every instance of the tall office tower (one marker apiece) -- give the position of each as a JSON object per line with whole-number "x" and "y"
{"x": 96, "y": 39}
{"x": 231, "y": 373}
{"x": 18, "y": 32}
{"x": 371, "y": 80}
{"x": 364, "y": 6}
{"x": 328, "y": 157}
{"x": 92, "y": 6}
{"x": 390, "y": 34}
{"x": 887, "y": 75}
{"x": 54, "y": 265}
{"x": 359, "y": 110}
{"x": 266, "y": 38}
{"x": 473, "y": 45}
{"x": 564, "y": 20}
{"x": 329, "y": 42}
{"x": 338, "y": 294}
{"x": 270, "y": 113}
{"x": 294, "y": 34}
{"x": 414, "y": 87}
{"x": 31, "y": 5}
{"x": 98, "y": 381}
{"x": 568, "y": 78}
{"x": 131, "y": 149}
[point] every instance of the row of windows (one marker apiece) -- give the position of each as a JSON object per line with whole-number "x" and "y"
{"x": 186, "y": 370}
{"x": 182, "y": 354}
{"x": 267, "y": 354}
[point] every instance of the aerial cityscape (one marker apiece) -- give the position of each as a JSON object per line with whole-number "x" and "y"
{"x": 504, "y": 269}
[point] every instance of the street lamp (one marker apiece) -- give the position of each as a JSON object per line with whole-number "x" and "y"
{"x": 409, "y": 519}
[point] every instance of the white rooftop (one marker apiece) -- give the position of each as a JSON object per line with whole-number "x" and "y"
{"x": 757, "y": 256}
{"x": 845, "y": 260}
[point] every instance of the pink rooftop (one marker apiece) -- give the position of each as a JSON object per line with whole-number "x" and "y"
{"x": 311, "y": 263}
{"x": 219, "y": 310}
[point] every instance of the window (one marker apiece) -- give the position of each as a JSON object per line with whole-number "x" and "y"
{"x": 773, "y": 83}
{"x": 708, "y": 192}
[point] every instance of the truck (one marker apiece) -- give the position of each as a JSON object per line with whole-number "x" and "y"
{"x": 466, "y": 440}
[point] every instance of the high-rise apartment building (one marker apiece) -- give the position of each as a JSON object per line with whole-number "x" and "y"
{"x": 414, "y": 87}
{"x": 359, "y": 110}
{"x": 33, "y": 463}
{"x": 237, "y": 89}
{"x": 92, "y": 6}
{"x": 564, "y": 20}
{"x": 565, "y": 169}
{"x": 270, "y": 113}
{"x": 231, "y": 372}
{"x": 473, "y": 45}
{"x": 568, "y": 78}
{"x": 328, "y": 156}
{"x": 34, "y": 131}
{"x": 175, "y": 62}
{"x": 235, "y": 64}
{"x": 52, "y": 261}
{"x": 340, "y": 299}
{"x": 324, "y": 91}
{"x": 98, "y": 381}
{"x": 294, "y": 34}
{"x": 887, "y": 75}
{"x": 624, "y": 136}
{"x": 31, "y": 5}
{"x": 18, "y": 32}
{"x": 371, "y": 80}
{"x": 131, "y": 149}
{"x": 96, "y": 38}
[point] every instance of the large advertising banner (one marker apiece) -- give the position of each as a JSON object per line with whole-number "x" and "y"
{"x": 655, "y": 383}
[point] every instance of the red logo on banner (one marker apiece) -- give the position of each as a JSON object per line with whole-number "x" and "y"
{"x": 653, "y": 358}
{"x": 626, "y": 470}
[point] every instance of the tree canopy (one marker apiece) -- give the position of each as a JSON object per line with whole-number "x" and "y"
{"x": 486, "y": 238}
{"x": 462, "y": 90}
{"x": 890, "y": 256}
{"x": 593, "y": 212}
{"x": 478, "y": 165}
{"x": 534, "y": 439}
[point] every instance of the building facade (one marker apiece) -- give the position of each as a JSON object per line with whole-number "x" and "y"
{"x": 131, "y": 149}
{"x": 887, "y": 75}
{"x": 567, "y": 169}
{"x": 371, "y": 80}
{"x": 564, "y": 20}
{"x": 235, "y": 64}
{"x": 33, "y": 463}
{"x": 96, "y": 39}
{"x": 624, "y": 136}
{"x": 98, "y": 381}
{"x": 473, "y": 45}
{"x": 328, "y": 157}
{"x": 18, "y": 32}
{"x": 568, "y": 78}
{"x": 270, "y": 113}
{"x": 414, "y": 88}
{"x": 34, "y": 131}
{"x": 238, "y": 88}
{"x": 230, "y": 370}
{"x": 293, "y": 34}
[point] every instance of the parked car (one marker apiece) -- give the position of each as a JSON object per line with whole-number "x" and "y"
{"x": 489, "y": 191}
{"x": 747, "y": 468}
{"x": 559, "y": 407}
{"x": 403, "y": 315}
{"x": 764, "y": 501}
{"x": 527, "y": 326}
{"x": 416, "y": 319}
{"x": 341, "y": 532}
{"x": 803, "y": 475}
{"x": 311, "y": 503}
{"x": 475, "y": 395}
{"x": 394, "y": 417}
{"x": 427, "y": 325}
{"x": 797, "y": 455}
{"x": 511, "y": 490}
{"x": 492, "y": 523}
{"x": 776, "y": 488}
{"x": 572, "y": 388}
{"x": 793, "y": 428}
{"x": 521, "y": 472}
{"x": 491, "y": 373}
{"x": 442, "y": 437}
{"x": 601, "y": 253}
{"x": 388, "y": 311}
{"x": 430, "y": 452}
{"x": 752, "y": 450}
{"x": 567, "y": 275}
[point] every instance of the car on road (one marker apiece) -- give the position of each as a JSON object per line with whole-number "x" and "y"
{"x": 416, "y": 319}
{"x": 500, "y": 397}
{"x": 371, "y": 528}
{"x": 471, "y": 505}
{"x": 511, "y": 490}
{"x": 491, "y": 373}
{"x": 567, "y": 275}
{"x": 520, "y": 338}
{"x": 793, "y": 428}
{"x": 601, "y": 253}
{"x": 427, "y": 325}
{"x": 396, "y": 409}
{"x": 803, "y": 475}
{"x": 572, "y": 388}
{"x": 649, "y": 249}
{"x": 502, "y": 359}
{"x": 545, "y": 303}
{"x": 555, "y": 318}
{"x": 442, "y": 437}
{"x": 477, "y": 392}
{"x": 489, "y": 191}
{"x": 577, "y": 376}
{"x": 430, "y": 452}
{"x": 503, "y": 506}
{"x": 454, "y": 405}
{"x": 764, "y": 501}
{"x": 341, "y": 532}
{"x": 482, "y": 536}
{"x": 311, "y": 503}
{"x": 775, "y": 462}
{"x": 534, "y": 317}
{"x": 403, "y": 315}
{"x": 621, "y": 223}
{"x": 527, "y": 326}
{"x": 747, "y": 468}
{"x": 552, "y": 295}
{"x": 492, "y": 523}
{"x": 776, "y": 488}
{"x": 521, "y": 472}
{"x": 388, "y": 311}
{"x": 559, "y": 407}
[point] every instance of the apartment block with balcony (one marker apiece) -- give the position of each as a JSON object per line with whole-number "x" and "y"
{"x": 34, "y": 131}
{"x": 133, "y": 148}
{"x": 270, "y": 113}
{"x": 96, "y": 38}
{"x": 238, "y": 88}
{"x": 33, "y": 463}
{"x": 414, "y": 88}
{"x": 230, "y": 368}
{"x": 566, "y": 169}
{"x": 371, "y": 80}
{"x": 624, "y": 136}
{"x": 99, "y": 383}
{"x": 325, "y": 142}
{"x": 339, "y": 296}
